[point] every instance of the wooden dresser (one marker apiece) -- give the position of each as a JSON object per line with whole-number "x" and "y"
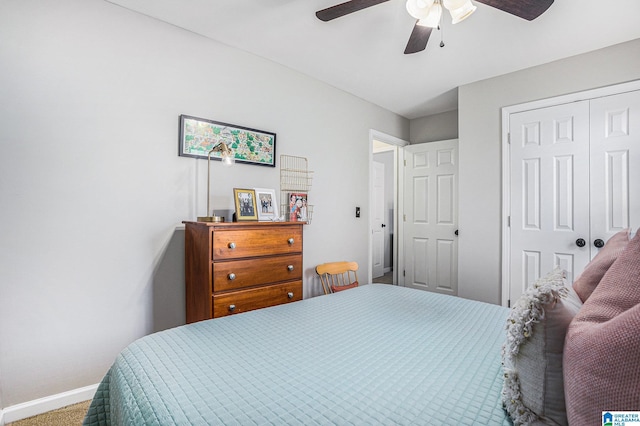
{"x": 234, "y": 267}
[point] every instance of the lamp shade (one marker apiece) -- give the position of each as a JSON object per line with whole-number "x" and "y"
{"x": 433, "y": 17}
{"x": 459, "y": 9}
{"x": 225, "y": 154}
{"x": 419, "y": 9}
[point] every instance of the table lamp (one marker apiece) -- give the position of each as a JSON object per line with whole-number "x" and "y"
{"x": 227, "y": 159}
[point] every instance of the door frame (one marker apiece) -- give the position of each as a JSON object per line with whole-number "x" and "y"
{"x": 398, "y": 144}
{"x": 506, "y": 160}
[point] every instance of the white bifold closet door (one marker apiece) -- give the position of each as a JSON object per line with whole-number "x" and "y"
{"x": 575, "y": 181}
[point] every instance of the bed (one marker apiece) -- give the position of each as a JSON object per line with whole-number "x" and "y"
{"x": 376, "y": 354}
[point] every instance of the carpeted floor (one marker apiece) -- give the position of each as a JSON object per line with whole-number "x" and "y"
{"x": 67, "y": 416}
{"x": 385, "y": 279}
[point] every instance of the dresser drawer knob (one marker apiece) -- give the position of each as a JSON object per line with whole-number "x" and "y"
{"x": 290, "y": 267}
{"x": 291, "y": 241}
{"x": 290, "y": 295}
{"x": 232, "y": 245}
{"x": 232, "y": 276}
{"x": 232, "y": 308}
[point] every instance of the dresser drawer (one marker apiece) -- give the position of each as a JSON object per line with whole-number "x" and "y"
{"x": 237, "y": 243}
{"x": 237, "y": 274}
{"x": 246, "y": 300}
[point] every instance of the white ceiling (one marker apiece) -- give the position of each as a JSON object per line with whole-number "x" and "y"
{"x": 362, "y": 53}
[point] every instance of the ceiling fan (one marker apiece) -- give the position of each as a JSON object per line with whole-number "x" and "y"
{"x": 429, "y": 12}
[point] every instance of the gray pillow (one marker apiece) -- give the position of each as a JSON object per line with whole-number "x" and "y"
{"x": 533, "y": 389}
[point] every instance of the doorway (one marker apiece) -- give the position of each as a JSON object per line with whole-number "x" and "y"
{"x": 383, "y": 206}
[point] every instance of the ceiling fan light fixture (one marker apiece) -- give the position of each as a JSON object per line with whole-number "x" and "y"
{"x": 432, "y": 20}
{"x": 419, "y": 9}
{"x": 459, "y": 9}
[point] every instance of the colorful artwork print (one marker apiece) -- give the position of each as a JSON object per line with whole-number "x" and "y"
{"x": 198, "y": 136}
{"x": 298, "y": 207}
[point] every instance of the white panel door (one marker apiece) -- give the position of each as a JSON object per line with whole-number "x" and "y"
{"x": 549, "y": 192}
{"x": 431, "y": 216}
{"x": 615, "y": 165}
{"x": 377, "y": 221}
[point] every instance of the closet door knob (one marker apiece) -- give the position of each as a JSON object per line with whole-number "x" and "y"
{"x": 598, "y": 243}
{"x": 232, "y": 276}
{"x": 580, "y": 242}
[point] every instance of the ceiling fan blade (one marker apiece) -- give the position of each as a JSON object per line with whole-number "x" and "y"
{"x": 526, "y": 9}
{"x": 418, "y": 39}
{"x": 345, "y": 8}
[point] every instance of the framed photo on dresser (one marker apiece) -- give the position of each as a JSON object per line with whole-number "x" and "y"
{"x": 298, "y": 207}
{"x": 267, "y": 204}
{"x": 245, "y": 201}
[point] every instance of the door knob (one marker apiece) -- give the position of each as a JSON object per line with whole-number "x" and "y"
{"x": 456, "y": 232}
{"x": 580, "y": 242}
{"x": 598, "y": 243}
{"x": 383, "y": 225}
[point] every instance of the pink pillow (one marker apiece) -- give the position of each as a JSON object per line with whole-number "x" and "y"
{"x": 336, "y": 288}
{"x": 595, "y": 270}
{"x": 602, "y": 349}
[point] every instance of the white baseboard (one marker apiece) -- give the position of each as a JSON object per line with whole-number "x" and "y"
{"x": 48, "y": 403}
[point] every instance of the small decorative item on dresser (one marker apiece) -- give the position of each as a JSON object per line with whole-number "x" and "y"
{"x": 298, "y": 206}
{"x": 267, "y": 204}
{"x": 245, "y": 201}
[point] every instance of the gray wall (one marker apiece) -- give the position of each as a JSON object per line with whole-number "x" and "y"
{"x": 480, "y": 159}
{"x": 432, "y": 128}
{"x": 93, "y": 191}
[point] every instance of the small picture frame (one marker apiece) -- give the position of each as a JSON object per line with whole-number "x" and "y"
{"x": 297, "y": 206}
{"x": 267, "y": 204}
{"x": 245, "y": 201}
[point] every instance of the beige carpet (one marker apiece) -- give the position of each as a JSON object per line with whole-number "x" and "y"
{"x": 66, "y": 416}
{"x": 385, "y": 279}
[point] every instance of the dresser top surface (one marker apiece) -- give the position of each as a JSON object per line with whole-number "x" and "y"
{"x": 242, "y": 224}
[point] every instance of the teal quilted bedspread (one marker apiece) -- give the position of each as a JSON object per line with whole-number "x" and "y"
{"x": 374, "y": 355}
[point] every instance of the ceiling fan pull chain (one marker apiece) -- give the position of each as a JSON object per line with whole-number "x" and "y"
{"x": 440, "y": 27}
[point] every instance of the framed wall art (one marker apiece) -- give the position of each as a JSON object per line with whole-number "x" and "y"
{"x": 267, "y": 204}
{"x": 245, "y": 201}
{"x": 198, "y": 136}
